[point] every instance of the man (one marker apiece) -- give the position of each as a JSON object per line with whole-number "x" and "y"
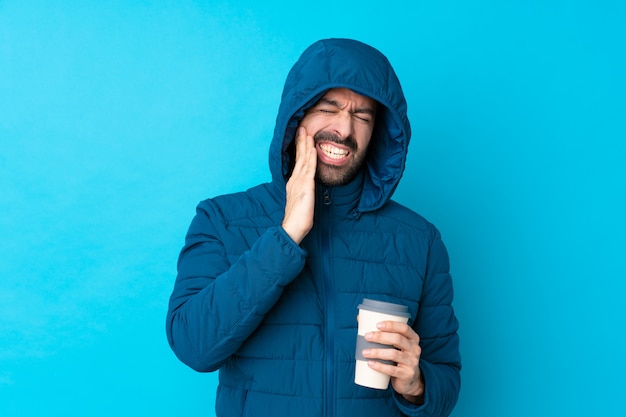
{"x": 269, "y": 279}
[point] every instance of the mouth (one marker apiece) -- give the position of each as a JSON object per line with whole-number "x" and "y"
{"x": 332, "y": 154}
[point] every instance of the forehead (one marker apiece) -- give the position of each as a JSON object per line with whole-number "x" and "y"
{"x": 345, "y": 96}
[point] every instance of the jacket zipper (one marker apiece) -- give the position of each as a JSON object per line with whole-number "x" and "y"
{"x": 330, "y": 308}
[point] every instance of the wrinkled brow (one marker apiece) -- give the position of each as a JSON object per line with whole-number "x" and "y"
{"x": 362, "y": 110}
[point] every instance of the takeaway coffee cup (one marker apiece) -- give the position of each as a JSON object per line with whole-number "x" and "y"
{"x": 371, "y": 313}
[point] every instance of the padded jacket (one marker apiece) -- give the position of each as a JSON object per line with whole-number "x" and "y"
{"x": 277, "y": 319}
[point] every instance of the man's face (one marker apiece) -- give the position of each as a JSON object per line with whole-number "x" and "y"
{"x": 341, "y": 123}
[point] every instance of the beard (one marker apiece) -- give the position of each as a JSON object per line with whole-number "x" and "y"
{"x": 333, "y": 175}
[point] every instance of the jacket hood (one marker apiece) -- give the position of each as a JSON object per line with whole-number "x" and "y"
{"x": 346, "y": 63}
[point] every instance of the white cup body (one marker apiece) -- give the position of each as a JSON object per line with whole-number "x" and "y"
{"x": 364, "y": 375}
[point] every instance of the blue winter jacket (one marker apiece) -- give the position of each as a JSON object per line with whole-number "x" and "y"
{"x": 277, "y": 319}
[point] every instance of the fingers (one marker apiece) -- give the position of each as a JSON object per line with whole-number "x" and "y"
{"x": 300, "y": 189}
{"x": 306, "y": 156}
{"x": 400, "y": 370}
{"x": 399, "y": 335}
{"x": 406, "y": 375}
{"x": 405, "y": 341}
{"x": 408, "y": 358}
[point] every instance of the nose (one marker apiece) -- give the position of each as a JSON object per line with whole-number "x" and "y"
{"x": 343, "y": 124}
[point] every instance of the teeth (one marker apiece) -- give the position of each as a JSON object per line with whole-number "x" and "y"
{"x": 332, "y": 152}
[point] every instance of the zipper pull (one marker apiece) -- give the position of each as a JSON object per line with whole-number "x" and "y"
{"x": 327, "y": 200}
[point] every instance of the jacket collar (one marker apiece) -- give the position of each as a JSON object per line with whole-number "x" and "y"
{"x": 344, "y": 199}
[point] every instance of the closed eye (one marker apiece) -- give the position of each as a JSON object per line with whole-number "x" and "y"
{"x": 363, "y": 119}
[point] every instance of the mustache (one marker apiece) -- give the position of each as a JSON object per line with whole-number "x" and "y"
{"x": 324, "y": 136}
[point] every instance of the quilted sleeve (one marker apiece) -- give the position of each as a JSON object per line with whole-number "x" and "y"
{"x": 216, "y": 306}
{"x": 437, "y": 326}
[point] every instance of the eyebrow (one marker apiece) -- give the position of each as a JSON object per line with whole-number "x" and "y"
{"x": 361, "y": 110}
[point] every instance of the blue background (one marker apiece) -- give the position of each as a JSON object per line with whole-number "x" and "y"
{"x": 117, "y": 117}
